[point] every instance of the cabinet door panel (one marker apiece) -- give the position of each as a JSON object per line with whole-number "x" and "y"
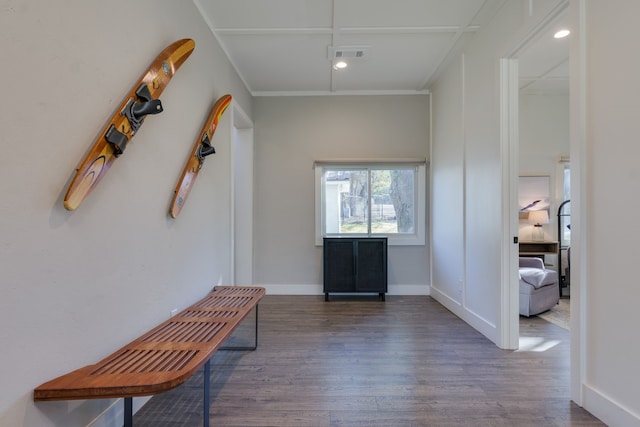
{"x": 371, "y": 262}
{"x": 339, "y": 268}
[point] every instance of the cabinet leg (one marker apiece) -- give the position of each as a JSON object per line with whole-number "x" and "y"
{"x": 326, "y": 296}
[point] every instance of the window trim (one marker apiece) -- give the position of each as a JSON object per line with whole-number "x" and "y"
{"x": 416, "y": 239}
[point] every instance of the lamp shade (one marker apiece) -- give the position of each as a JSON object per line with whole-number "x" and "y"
{"x": 539, "y": 217}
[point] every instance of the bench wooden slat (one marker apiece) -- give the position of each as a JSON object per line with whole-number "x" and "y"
{"x": 164, "y": 357}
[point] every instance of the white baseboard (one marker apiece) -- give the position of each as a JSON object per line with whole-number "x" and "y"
{"x": 607, "y": 410}
{"x": 317, "y": 289}
{"x": 482, "y": 325}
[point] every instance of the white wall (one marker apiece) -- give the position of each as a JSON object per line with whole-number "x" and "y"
{"x": 447, "y": 189}
{"x": 544, "y": 138}
{"x": 77, "y": 285}
{"x": 609, "y": 205}
{"x": 604, "y": 153}
{"x": 291, "y": 133}
{"x": 467, "y": 172}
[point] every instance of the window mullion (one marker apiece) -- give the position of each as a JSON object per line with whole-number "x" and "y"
{"x": 369, "y": 196}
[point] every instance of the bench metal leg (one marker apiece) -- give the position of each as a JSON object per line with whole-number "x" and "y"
{"x": 250, "y": 348}
{"x": 128, "y": 412}
{"x": 207, "y": 400}
{"x": 206, "y": 404}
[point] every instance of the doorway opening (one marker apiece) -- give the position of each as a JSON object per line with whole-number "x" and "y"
{"x": 242, "y": 198}
{"x": 543, "y": 151}
{"x": 535, "y": 128}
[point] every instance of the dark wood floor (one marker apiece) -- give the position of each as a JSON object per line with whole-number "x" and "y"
{"x": 356, "y": 361}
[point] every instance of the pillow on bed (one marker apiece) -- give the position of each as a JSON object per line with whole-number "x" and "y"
{"x": 533, "y": 276}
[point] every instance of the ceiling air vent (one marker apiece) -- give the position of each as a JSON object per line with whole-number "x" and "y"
{"x": 344, "y": 52}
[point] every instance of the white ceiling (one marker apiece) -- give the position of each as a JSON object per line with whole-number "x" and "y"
{"x": 543, "y": 66}
{"x": 284, "y": 47}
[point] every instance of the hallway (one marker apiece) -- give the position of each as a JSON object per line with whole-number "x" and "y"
{"x": 355, "y": 361}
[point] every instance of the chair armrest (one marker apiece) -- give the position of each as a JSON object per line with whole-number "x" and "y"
{"x": 531, "y": 262}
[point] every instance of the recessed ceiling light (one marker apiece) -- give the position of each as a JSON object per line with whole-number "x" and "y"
{"x": 562, "y": 34}
{"x": 339, "y": 65}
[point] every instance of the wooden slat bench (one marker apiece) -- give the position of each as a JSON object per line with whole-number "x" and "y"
{"x": 164, "y": 357}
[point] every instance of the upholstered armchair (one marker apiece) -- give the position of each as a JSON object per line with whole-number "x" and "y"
{"x": 539, "y": 287}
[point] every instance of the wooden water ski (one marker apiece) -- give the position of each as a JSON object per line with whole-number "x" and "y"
{"x": 127, "y": 119}
{"x": 201, "y": 149}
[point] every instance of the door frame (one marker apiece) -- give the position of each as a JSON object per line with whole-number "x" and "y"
{"x": 241, "y": 218}
{"x": 510, "y": 165}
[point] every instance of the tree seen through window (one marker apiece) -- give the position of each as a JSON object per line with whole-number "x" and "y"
{"x": 369, "y": 201}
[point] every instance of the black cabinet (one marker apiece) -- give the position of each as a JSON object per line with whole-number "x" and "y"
{"x": 355, "y": 265}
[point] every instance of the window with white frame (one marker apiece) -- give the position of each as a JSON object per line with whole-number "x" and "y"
{"x": 371, "y": 199}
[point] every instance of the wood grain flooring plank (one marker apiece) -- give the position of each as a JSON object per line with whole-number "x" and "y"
{"x": 356, "y": 361}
